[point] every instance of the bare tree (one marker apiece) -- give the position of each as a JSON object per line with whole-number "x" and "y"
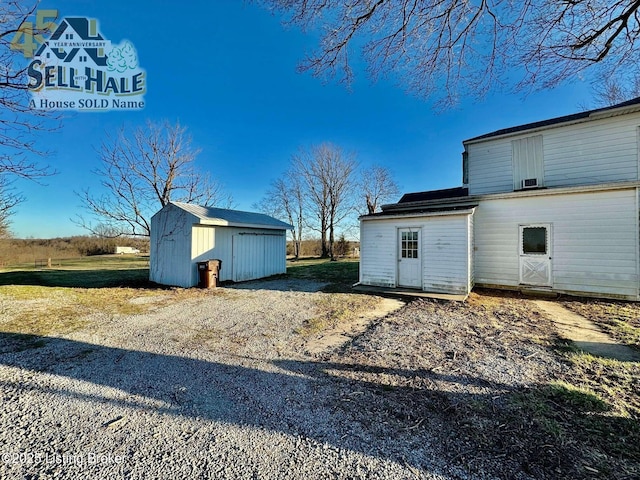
{"x": 377, "y": 186}
{"x": 452, "y": 47}
{"x": 328, "y": 180}
{"x": 9, "y": 199}
{"x": 142, "y": 172}
{"x": 285, "y": 199}
{"x": 611, "y": 91}
{"x": 19, "y": 124}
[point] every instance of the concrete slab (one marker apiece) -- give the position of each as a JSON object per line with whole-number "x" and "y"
{"x": 585, "y": 334}
{"x": 408, "y": 293}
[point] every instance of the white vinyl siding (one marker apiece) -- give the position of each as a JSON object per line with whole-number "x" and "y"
{"x": 378, "y": 257}
{"x": 445, "y": 252}
{"x": 490, "y": 167}
{"x": 528, "y": 160}
{"x": 587, "y": 153}
{"x": 447, "y": 255}
{"x": 595, "y": 241}
{"x": 601, "y": 151}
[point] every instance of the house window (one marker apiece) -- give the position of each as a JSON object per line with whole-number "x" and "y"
{"x": 528, "y": 162}
{"x": 68, "y": 36}
{"x": 409, "y": 247}
{"x": 534, "y": 240}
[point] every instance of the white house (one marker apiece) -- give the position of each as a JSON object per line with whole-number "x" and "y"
{"x": 550, "y": 206}
{"x": 250, "y": 245}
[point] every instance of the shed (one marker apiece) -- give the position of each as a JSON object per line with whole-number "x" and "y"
{"x": 251, "y": 245}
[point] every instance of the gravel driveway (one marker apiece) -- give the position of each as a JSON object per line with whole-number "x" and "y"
{"x": 222, "y": 387}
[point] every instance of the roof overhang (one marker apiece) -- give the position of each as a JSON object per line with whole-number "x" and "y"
{"x": 422, "y": 214}
{"x": 527, "y": 129}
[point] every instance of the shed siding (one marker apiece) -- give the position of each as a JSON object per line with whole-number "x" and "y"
{"x": 179, "y": 242}
{"x": 599, "y": 151}
{"x": 472, "y": 255}
{"x": 170, "y": 247}
{"x": 241, "y": 260}
{"x": 594, "y": 244}
{"x": 258, "y": 255}
{"x": 445, "y": 252}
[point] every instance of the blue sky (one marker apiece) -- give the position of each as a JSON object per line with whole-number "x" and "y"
{"x": 227, "y": 71}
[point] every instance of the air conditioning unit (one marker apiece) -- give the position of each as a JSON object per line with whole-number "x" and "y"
{"x": 529, "y": 183}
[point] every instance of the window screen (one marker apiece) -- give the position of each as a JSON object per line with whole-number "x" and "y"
{"x": 409, "y": 245}
{"x": 534, "y": 240}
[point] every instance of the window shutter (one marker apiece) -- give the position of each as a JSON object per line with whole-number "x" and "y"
{"x": 528, "y": 162}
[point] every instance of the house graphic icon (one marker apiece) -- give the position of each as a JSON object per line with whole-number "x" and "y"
{"x": 77, "y": 68}
{"x": 76, "y": 39}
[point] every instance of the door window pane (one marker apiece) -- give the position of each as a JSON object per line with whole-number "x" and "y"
{"x": 534, "y": 240}
{"x": 409, "y": 245}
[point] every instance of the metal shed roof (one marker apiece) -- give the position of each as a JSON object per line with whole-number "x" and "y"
{"x": 232, "y": 218}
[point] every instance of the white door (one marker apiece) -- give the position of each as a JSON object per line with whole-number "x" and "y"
{"x": 409, "y": 258}
{"x": 535, "y": 254}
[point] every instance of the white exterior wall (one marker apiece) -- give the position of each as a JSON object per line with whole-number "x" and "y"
{"x": 597, "y": 151}
{"x": 445, "y": 252}
{"x": 246, "y": 253}
{"x": 170, "y": 247}
{"x": 594, "y": 245}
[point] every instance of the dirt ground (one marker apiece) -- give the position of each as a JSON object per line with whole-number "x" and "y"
{"x": 290, "y": 385}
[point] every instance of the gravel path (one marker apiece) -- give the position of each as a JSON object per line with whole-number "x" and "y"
{"x": 222, "y": 387}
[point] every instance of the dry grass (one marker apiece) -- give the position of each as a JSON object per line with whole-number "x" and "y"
{"x": 491, "y": 382}
{"x": 335, "y": 309}
{"x": 37, "y": 310}
{"x": 621, "y": 320}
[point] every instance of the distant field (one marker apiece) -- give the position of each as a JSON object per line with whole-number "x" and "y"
{"x": 133, "y": 271}
{"x": 84, "y": 272}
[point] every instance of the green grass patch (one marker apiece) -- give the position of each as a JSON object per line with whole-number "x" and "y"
{"x": 341, "y": 274}
{"x": 578, "y": 398}
{"x": 88, "y": 272}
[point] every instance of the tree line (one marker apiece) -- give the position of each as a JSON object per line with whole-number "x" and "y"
{"x": 17, "y": 250}
{"x": 323, "y": 188}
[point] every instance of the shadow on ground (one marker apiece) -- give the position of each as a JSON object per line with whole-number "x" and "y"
{"x": 347, "y": 406}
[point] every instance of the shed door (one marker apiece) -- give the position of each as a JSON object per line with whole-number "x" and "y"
{"x": 256, "y": 255}
{"x": 409, "y": 258}
{"x": 535, "y": 254}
